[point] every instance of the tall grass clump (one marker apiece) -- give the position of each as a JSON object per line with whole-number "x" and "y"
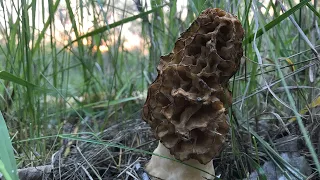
{"x": 80, "y": 66}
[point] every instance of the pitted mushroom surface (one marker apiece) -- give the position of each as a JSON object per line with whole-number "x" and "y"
{"x": 186, "y": 104}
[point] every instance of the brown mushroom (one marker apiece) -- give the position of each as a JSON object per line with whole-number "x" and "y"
{"x": 186, "y": 104}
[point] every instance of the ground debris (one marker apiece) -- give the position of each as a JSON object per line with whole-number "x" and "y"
{"x": 111, "y": 154}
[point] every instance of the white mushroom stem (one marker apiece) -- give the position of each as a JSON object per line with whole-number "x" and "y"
{"x": 171, "y": 170}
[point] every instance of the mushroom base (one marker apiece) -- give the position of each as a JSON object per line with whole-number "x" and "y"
{"x": 171, "y": 170}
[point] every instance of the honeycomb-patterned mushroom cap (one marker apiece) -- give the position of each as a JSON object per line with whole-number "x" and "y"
{"x": 186, "y": 104}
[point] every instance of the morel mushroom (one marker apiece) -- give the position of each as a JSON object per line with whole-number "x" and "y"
{"x": 186, "y": 104}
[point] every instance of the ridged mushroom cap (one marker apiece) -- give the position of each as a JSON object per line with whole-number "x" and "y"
{"x": 186, "y": 104}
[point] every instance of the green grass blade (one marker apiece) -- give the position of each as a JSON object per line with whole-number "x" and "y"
{"x": 275, "y": 22}
{"x": 193, "y": 7}
{"x": 10, "y": 77}
{"x": 173, "y": 29}
{"x": 267, "y": 146}
{"x": 313, "y": 10}
{"x": 6, "y": 152}
{"x": 3, "y": 171}
{"x": 113, "y": 25}
{"x": 46, "y": 25}
{"x": 302, "y": 34}
{"x": 259, "y": 169}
